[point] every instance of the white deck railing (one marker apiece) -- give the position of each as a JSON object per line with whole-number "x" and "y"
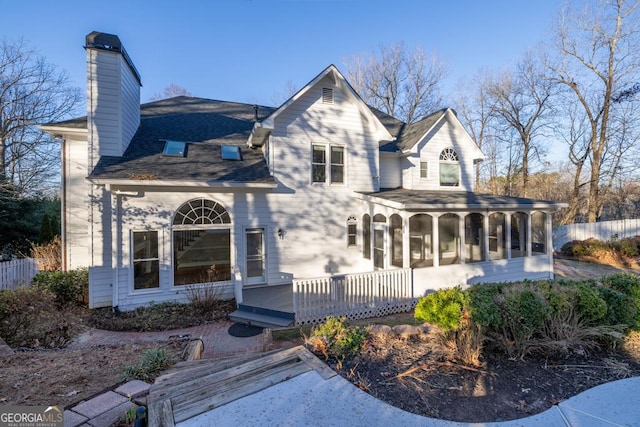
{"x": 18, "y": 272}
{"x": 355, "y": 296}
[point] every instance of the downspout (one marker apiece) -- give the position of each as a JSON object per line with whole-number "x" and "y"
{"x": 63, "y": 205}
{"x": 115, "y": 211}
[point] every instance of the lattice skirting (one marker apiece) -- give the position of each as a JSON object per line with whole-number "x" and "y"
{"x": 357, "y": 313}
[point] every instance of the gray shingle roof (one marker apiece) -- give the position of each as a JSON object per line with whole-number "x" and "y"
{"x": 206, "y": 125}
{"x": 437, "y": 200}
{"x": 407, "y": 135}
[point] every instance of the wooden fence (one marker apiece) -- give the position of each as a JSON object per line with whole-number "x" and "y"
{"x": 355, "y": 296}
{"x": 18, "y": 272}
{"x": 604, "y": 231}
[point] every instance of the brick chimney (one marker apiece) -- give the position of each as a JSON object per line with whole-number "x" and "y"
{"x": 113, "y": 96}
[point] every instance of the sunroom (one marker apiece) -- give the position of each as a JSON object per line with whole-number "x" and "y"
{"x": 459, "y": 237}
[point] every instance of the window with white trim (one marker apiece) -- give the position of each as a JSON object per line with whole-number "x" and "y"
{"x": 352, "y": 231}
{"x": 424, "y": 169}
{"x": 449, "y": 168}
{"x": 329, "y": 170}
{"x": 145, "y": 260}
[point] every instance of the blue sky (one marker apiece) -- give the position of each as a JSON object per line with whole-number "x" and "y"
{"x": 247, "y": 50}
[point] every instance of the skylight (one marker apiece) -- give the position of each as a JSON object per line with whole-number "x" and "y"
{"x": 174, "y": 148}
{"x": 231, "y": 152}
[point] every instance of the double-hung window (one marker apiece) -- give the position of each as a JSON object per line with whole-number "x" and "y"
{"x": 146, "y": 263}
{"x": 327, "y": 168}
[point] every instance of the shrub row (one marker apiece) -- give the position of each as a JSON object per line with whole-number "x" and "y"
{"x": 29, "y": 317}
{"x": 628, "y": 247}
{"x": 43, "y": 315}
{"x": 539, "y": 317}
{"x": 69, "y": 287}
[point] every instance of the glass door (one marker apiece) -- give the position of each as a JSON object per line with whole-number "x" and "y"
{"x": 255, "y": 256}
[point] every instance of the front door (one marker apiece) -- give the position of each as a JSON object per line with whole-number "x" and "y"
{"x": 255, "y": 256}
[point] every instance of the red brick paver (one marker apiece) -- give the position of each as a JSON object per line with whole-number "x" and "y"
{"x": 217, "y": 341}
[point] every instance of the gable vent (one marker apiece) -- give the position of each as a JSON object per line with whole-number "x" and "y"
{"x": 327, "y": 95}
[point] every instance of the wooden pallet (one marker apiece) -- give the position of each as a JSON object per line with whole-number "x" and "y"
{"x": 193, "y": 388}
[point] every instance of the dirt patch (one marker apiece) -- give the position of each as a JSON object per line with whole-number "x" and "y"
{"x": 416, "y": 375}
{"x": 62, "y": 377}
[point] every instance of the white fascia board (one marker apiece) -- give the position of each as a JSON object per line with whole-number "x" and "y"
{"x": 162, "y": 185}
{"x": 62, "y": 130}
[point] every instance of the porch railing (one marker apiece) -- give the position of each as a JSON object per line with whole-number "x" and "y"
{"x": 356, "y": 296}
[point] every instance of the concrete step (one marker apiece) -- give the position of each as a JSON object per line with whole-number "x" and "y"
{"x": 260, "y": 319}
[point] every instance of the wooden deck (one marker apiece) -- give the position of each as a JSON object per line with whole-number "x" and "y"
{"x": 192, "y": 388}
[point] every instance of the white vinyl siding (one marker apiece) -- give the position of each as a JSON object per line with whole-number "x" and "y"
{"x": 309, "y": 121}
{"x": 444, "y": 135}
{"x": 113, "y": 107}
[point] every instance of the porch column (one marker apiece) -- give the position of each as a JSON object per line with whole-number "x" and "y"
{"x": 436, "y": 240}
{"x": 485, "y": 236}
{"x": 507, "y": 231}
{"x": 406, "y": 241}
{"x": 528, "y": 247}
{"x": 461, "y": 238}
{"x": 549, "y": 241}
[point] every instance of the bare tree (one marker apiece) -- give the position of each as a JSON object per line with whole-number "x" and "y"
{"x": 170, "y": 91}
{"x": 278, "y": 98}
{"x": 520, "y": 101}
{"x": 598, "y": 66}
{"x": 404, "y": 84}
{"x": 32, "y": 92}
{"x": 476, "y": 110}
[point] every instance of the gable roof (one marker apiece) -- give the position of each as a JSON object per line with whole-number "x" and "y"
{"x": 205, "y": 125}
{"x": 381, "y": 130}
{"x": 411, "y": 134}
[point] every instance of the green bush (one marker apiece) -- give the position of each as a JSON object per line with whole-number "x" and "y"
{"x": 621, "y": 309}
{"x": 589, "y": 247}
{"x": 629, "y": 285}
{"x": 629, "y": 247}
{"x": 545, "y": 317}
{"x": 68, "y": 287}
{"x": 482, "y": 304}
{"x": 153, "y": 361}
{"x": 335, "y": 339}
{"x": 29, "y": 318}
{"x": 443, "y": 308}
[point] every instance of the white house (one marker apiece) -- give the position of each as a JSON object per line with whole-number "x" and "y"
{"x": 189, "y": 192}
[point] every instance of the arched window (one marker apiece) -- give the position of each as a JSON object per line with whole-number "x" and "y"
{"x": 366, "y": 236}
{"x": 449, "y": 234}
{"x": 395, "y": 234}
{"x": 201, "y": 211}
{"x": 518, "y": 235}
{"x": 421, "y": 240}
{"x": 201, "y": 243}
{"x": 497, "y": 236}
{"x": 474, "y": 237}
{"x": 379, "y": 222}
{"x": 538, "y": 233}
{"x": 449, "y": 168}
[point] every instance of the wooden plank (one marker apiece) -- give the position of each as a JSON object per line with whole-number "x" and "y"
{"x": 161, "y": 414}
{"x": 186, "y": 371}
{"x": 190, "y": 405}
{"x": 316, "y": 364}
{"x": 262, "y": 364}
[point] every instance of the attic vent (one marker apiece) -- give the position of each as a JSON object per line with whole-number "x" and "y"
{"x": 174, "y": 148}
{"x": 231, "y": 152}
{"x": 327, "y": 95}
